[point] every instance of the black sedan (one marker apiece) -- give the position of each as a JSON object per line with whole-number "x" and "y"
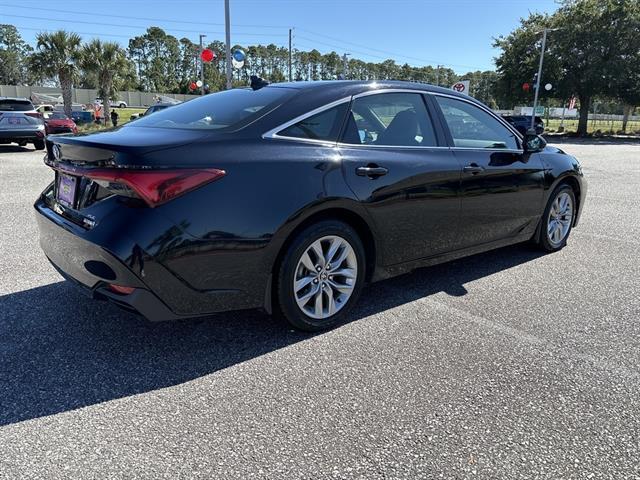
{"x": 291, "y": 197}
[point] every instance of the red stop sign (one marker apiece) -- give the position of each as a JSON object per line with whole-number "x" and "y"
{"x": 526, "y": 87}
{"x": 193, "y": 86}
{"x": 207, "y": 55}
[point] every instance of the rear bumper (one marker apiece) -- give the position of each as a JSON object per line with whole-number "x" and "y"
{"x": 140, "y": 301}
{"x": 54, "y": 130}
{"x": 159, "y": 295}
{"x": 16, "y": 135}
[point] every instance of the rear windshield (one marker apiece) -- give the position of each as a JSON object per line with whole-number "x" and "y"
{"x": 57, "y": 116}
{"x": 228, "y": 109}
{"x": 15, "y": 105}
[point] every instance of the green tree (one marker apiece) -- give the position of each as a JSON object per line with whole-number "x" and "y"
{"x": 157, "y": 58}
{"x": 591, "y": 45}
{"x": 107, "y": 61}
{"x": 13, "y": 56}
{"x": 57, "y": 56}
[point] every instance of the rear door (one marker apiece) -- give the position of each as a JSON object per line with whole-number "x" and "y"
{"x": 396, "y": 162}
{"x": 502, "y": 187}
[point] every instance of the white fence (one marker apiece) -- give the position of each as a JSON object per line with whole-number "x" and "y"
{"x": 83, "y": 95}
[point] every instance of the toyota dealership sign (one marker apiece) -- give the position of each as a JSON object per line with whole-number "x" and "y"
{"x": 461, "y": 87}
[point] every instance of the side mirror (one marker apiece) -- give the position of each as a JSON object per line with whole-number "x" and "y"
{"x": 533, "y": 142}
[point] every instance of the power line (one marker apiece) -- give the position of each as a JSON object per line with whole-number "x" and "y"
{"x": 92, "y": 34}
{"x": 141, "y": 26}
{"x": 423, "y": 60}
{"x": 128, "y": 17}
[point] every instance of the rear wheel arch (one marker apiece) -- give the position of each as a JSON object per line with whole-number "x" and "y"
{"x": 351, "y": 218}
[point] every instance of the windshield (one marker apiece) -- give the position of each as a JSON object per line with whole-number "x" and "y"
{"x": 219, "y": 110}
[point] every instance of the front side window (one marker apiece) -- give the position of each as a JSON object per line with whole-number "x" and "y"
{"x": 325, "y": 125}
{"x": 472, "y": 127}
{"x": 390, "y": 119}
{"x": 228, "y": 109}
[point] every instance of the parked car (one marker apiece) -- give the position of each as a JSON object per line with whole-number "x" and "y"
{"x": 153, "y": 108}
{"x": 20, "y": 123}
{"x": 44, "y": 108}
{"x": 522, "y": 123}
{"x": 293, "y": 196}
{"x": 80, "y": 117}
{"x": 113, "y": 103}
{"x": 58, "y": 122}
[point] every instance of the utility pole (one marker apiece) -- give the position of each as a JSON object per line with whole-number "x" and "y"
{"x": 290, "y": 31}
{"x": 201, "y": 65}
{"x": 438, "y": 75}
{"x": 345, "y": 65}
{"x": 227, "y": 27}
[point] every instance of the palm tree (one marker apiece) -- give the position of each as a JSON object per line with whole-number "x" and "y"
{"x": 108, "y": 62}
{"x": 57, "y": 56}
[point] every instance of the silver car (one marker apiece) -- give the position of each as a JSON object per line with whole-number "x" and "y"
{"x": 20, "y": 123}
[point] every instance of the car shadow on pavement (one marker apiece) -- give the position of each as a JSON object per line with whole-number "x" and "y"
{"x": 60, "y": 350}
{"x": 16, "y": 149}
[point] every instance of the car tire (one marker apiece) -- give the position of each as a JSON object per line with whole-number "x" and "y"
{"x": 39, "y": 144}
{"x": 557, "y": 221}
{"x": 123, "y": 105}
{"x": 315, "y": 300}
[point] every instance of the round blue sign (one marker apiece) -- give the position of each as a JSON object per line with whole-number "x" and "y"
{"x": 239, "y": 56}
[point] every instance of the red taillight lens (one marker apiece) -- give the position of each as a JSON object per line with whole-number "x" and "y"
{"x": 157, "y": 186}
{"x": 121, "y": 289}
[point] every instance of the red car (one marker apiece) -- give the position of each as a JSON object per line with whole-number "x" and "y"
{"x": 58, "y": 122}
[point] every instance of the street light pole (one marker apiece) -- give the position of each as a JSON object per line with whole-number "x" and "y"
{"x": 227, "y": 23}
{"x": 345, "y": 65}
{"x": 290, "y": 42}
{"x": 539, "y": 78}
{"x": 201, "y": 65}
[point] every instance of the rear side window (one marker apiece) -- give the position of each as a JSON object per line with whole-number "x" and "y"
{"x": 472, "y": 127}
{"x": 15, "y": 105}
{"x": 228, "y": 109}
{"x": 321, "y": 126}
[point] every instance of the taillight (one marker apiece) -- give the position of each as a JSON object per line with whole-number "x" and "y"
{"x": 121, "y": 289}
{"x": 154, "y": 186}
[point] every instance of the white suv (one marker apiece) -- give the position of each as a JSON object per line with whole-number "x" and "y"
{"x": 113, "y": 103}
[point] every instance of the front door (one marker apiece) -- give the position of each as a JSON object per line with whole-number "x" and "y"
{"x": 502, "y": 187}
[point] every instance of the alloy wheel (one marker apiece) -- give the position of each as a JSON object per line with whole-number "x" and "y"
{"x": 325, "y": 277}
{"x": 560, "y": 218}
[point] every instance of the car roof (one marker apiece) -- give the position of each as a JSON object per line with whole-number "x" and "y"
{"x": 19, "y": 99}
{"x": 356, "y": 86}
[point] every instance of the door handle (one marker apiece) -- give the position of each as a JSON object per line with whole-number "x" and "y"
{"x": 473, "y": 168}
{"x": 371, "y": 171}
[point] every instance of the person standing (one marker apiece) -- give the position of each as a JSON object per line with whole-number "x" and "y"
{"x": 114, "y": 118}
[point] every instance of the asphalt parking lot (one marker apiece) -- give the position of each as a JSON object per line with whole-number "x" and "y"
{"x": 510, "y": 364}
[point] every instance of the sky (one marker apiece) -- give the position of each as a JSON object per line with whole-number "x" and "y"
{"x": 454, "y": 33}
